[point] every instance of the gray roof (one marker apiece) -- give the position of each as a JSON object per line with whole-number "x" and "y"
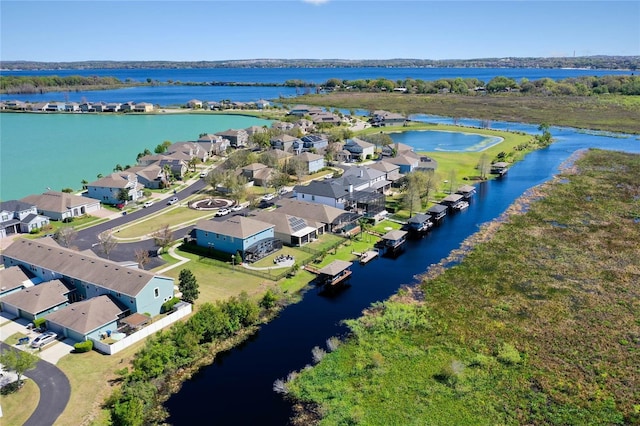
{"x": 55, "y": 201}
{"x": 335, "y": 267}
{"x": 114, "y": 180}
{"x": 45, "y": 253}
{"x": 394, "y": 235}
{"x": 437, "y": 208}
{"x": 466, "y": 188}
{"x": 14, "y": 277}
{"x": 363, "y": 172}
{"x": 15, "y": 205}
{"x": 287, "y": 224}
{"x": 333, "y": 188}
{"x": 237, "y": 226}
{"x": 419, "y": 218}
{"x": 314, "y": 211}
{"x": 453, "y": 198}
{"x": 88, "y": 315}
{"x": 40, "y": 297}
{"x": 309, "y": 157}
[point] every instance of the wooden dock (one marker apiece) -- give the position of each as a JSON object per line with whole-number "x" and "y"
{"x": 367, "y": 256}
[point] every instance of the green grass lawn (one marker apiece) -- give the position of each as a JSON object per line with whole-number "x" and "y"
{"x": 173, "y": 216}
{"x": 18, "y": 406}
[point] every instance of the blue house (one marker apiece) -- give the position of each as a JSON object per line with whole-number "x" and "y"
{"x": 135, "y": 290}
{"x": 316, "y": 142}
{"x": 251, "y": 238}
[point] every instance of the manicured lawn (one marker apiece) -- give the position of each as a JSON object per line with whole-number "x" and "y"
{"x": 18, "y": 406}
{"x": 175, "y": 215}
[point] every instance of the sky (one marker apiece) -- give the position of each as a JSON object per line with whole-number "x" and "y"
{"x": 214, "y": 30}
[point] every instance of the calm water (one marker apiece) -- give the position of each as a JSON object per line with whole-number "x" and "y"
{"x": 60, "y": 150}
{"x": 237, "y": 389}
{"x": 434, "y": 140}
{"x": 179, "y": 95}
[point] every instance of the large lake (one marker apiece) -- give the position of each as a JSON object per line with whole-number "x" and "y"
{"x": 179, "y": 95}
{"x": 40, "y": 151}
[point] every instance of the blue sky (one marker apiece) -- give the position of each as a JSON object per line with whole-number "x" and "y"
{"x": 331, "y": 29}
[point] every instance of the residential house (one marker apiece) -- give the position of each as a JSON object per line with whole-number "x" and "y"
{"x": 88, "y": 319}
{"x": 287, "y": 143}
{"x": 39, "y": 106}
{"x": 194, "y": 104}
{"x": 332, "y": 218}
{"x": 407, "y": 161}
{"x": 394, "y": 149}
{"x": 17, "y": 216}
{"x": 37, "y": 301}
{"x": 217, "y": 145}
{"x": 420, "y": 223}
{"x": 252, "y": 130}
{"x": 253, "y": 239}
{"x": 280, "y": 157}
{"x": 112, "y": 107}
{"x": 291, "y": 230}
{"x": 360, "y": 150}
{"x": 178, "y": 167}
{"x": 72, "y": 107}
{"x": 237, "y": 138}
{"x": 262, "y": 104}
{"x": 152, "y": 176}
{"x": 55, "y": 107}
{"x": 258, "y": 173}
{"x": 15, "y": 278}
{"x": 143, "y": 107}
{"x": 250, "y": 170}
{"x": 213, "y": 105}
{"x": 137, "y": 290}
{"x": 16, "y": 105}
{"x": 99, "y": 106}
{"x": 325, "y": 117}
{"x": 304, "y": 125}
{"x": 86, "y": 107}
{"x": 391, "y": 172}
{"x": 313, "y": 162}
{"x": 127, "y": 106}
{"x": 302, "y": 110}
{"x": 62, "y": 205}
{"x": 386, "y": 118}
{"x": 109, "y": 188}
{"x": 314, "y": 142}
{"x": 282, "y": 126}
{"x": 376, "y": 179}
{"x": 427, "y": 164}
{"x": 189, "y": 149}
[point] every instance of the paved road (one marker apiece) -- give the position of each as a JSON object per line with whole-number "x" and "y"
{"x": 54, "y": 392}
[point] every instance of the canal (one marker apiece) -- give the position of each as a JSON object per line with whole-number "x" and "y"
{"x": 237, "y": 388}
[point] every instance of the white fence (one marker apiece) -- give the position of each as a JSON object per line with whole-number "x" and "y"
{"x": 142, "y": 334}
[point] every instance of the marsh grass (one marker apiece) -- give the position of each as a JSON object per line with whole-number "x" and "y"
{"x": 539, "y": 324}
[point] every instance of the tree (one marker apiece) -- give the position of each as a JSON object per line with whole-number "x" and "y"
{"x": 107, "y": 242}
{"x": 65, "y": 236}
{"x": 269, "y": 300}
{"x": 84, "y": 183}
{"x": 123, "y": 195}
{"x": 193, "y": 162}
{"x": 415, "y": 184}
{"x": 118, "y": 168}
{"x": 168, "y": 174}
{"x": 18, "y": 361}
{"x": 142, "y": 257}
{"x": 365, "y": 225}
{"x": 545, "y": 138}
{"x": 484, "y": 166}
{"x": 163, "y": 236}
{"x": 188, "y": 286}
{"x": 430, "y": 183}
{"x": 160, "y": 148}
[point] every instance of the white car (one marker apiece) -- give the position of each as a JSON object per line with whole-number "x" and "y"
{"x": 172, "y": 201}
{"x": 223, "y": 212}
{"x": 147, "y": 204}
{"x": 204, "y": 174}
{"x": 269, "y": 197}
{"x": 237, "y": 208}
{"x": 44, "y": 339}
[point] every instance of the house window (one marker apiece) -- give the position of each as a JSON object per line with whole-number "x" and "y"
{"x": 156, "y": 292}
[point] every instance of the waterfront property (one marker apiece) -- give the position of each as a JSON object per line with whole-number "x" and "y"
{"x": 467, "y": 191}
{"x": 334, "y": 273}
{"x": 393, "y": 240}
{"x": 251, "y": 238}
{"x": 62, "y": 205}
{"x": 437, "y": 212}
{"x": 454, "y": 202}
{"x": 360, "y": 150}
{"x": 499, "y": 168}
{"x": 332, "y": 219}
{"x": 291, "y": 230}
{"x": 116, "y": 188}
{"x": 420, "y": 223}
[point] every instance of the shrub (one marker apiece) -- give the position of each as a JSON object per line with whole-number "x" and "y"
{"x": 39, "y": 322}
{"x": 146, "y": 193}
{"x": 169, "y": 304}
{"x": 507, "y": 354}
{"x": 85, "y": 346}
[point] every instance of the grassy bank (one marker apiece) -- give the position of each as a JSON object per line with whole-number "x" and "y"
{"x": 610, "y": 113}
{"x": 537, "y": 325}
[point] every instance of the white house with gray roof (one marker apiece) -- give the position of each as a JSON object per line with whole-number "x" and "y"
{"x": 108, "y": 188}
{"x": 62, "y": 205}
{"x": 18, "y": 216}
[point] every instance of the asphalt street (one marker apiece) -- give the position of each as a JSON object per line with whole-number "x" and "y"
{"x": 54, "y": 392}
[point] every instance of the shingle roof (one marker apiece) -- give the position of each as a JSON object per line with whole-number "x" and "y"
{"x": 114, "y": 180}
{"x": 394, "y": 235}
{"x": 326, "y": 188}
{"x": 40, "y": 297}
{"x": 15, "y": 205}
{"x": 315, "y": 211}
{"x": 309, "y": 157}
{"x": 88, "y": 315}
{"x": 335, "y": 267}
{"x": 14, "y": 277}
{"x": 237, "y": 226}
{"x": 55, "y": 201}
{"x": 284, "y": 223}
{"x": 45, "y": 253}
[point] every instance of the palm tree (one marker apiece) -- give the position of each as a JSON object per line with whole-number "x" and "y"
{"x": 365, "y": 225}
{"x": 168, "y": 175}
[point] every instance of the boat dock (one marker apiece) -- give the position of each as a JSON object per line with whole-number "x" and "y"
{"x": 367, "y": 256}
{"x": 333, "y": 274}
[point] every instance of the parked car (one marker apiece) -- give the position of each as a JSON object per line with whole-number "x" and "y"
{"x": 204, "y": 174}
{"x": 172, "y": 200}
{"x": 120, "y": 206}
{"x": 237, "y": 208}
{"x": 44, "y": 339}
{"x": 223, "y": 212}
{"x": 147, "y": 204}
{"x": 269, "y": 197}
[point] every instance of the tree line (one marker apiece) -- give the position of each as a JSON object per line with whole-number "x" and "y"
{"x": 40, "y": 84}
{"x": 574, "y": 86}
